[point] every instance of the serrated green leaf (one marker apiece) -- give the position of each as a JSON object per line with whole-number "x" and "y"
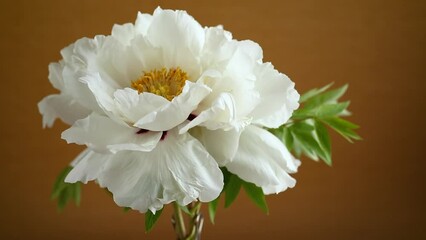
{"x": 232, "y": 189}
{"x": 309, "y": 144}
{"x": 330, "y": 110}
{"x": 326, "y": 97}
{"x": 256, "y": 194}
{"x": 343, "y": 127}
{"x": 302, "y": 113}
{"x": 151, "y": 219}
{"x": 313, "y": 92}
{"x": 302, "y": 126}
{"x": 213, "y": 208}
{"x": 301, "y": 148}
{"x": 324, "y": 141}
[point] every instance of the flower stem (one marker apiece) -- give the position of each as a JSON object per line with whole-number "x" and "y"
{"x": 179, "y": 223}
{"x": 195, "y": 221}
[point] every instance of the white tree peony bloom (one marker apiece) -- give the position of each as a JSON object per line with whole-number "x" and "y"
{"x": 162, "y": 103}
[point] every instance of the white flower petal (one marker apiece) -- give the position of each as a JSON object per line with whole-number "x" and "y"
{"x": 143, "y": 21}
{"x": 123, "y": 33}
{"x": 55, "y": 75}
{"x": 177, "y": 111}
{"x": 178, "y": 169}
{"x": 87, "y": 166}
{"x": 180, "y": 38}
{"x": 61, "y": 106}
{"x": 103, "y": 135}
{"x": 103, "y": 93}
{"x": 278, "y": 97}
{"x": 173, "y": 30}
{"x": 78, "y": 90}
{"x": 263, "y": 160}
{"x": 219, "y": 116}
{"x": 133, "y": 106}
{"x": 222, "y": 145}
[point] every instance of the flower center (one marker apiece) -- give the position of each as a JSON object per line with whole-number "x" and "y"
{"x": 167, "y": 83}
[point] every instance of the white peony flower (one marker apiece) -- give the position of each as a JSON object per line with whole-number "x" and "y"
{"x": 162, "y": 103}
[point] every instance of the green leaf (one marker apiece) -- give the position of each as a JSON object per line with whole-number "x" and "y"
{"x": 59, "y": 184}
{"x": 326, "y": 97}
{"x": 185, "y": 209}
{"x": 65, "y": 192}
{"x": 330, "y": 110}
{"x": 232, "y": 189}
{"x": 302, "y": 126}
{"x": 312, "y": 93}
{"x": 324, "y": 141}
{"x": 213, "y": 208}
{"x": 302, "y": 148}
{"x": 309, "y": 144}
{"x": 255, "y": 193}
{"x": 151, "y": 219}
{"x": 287, "y": 138}
{"x": 343, "y": 127}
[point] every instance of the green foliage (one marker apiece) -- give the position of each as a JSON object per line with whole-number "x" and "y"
{"x": 213, "y": 208}
{"x": 255, "y": 193}
{"x": 65, "y": 192}
{"x": 306, "y": 132}
{"x": 151, "y": 219}
{"x": 231, "y": 189}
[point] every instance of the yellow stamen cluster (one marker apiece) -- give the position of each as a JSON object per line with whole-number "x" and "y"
{"x": 167, "y": 83}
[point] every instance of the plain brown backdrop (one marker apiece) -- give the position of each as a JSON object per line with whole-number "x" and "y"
{"x": 375, "y": 190}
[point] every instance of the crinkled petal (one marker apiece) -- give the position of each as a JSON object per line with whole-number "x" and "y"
{"x": 87, "y": 166}
{"x": 180, "y": 37}
{"x": 278, "y": 97}
{"x": 104, "y": 135}
{"x": 177, "y": 111}
{"x": 143, "y": 21}
{"x": 263, "y": 160}
{"x": 178, "y": 169}
{"x": 172, "y": 30}
{"x": 55, "y": 75}
{"x": 123, "y": 33}
{"x": 61, "y": 106}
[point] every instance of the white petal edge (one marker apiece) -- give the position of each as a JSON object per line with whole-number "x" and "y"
{"x": 263, "y": 160}
{"x": 61, "y": 106}
{"x": 278, "y": 97}
{"x": 104, "y": 135}
{"x": 87, "y": 166}
{"x": 178, "y": 169}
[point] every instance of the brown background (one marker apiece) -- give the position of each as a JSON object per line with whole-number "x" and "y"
{"x": 375, "y": 190}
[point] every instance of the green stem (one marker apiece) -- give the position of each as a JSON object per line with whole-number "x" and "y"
{"x": 179, "y": 222}
{"x": 195, "y": 223}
